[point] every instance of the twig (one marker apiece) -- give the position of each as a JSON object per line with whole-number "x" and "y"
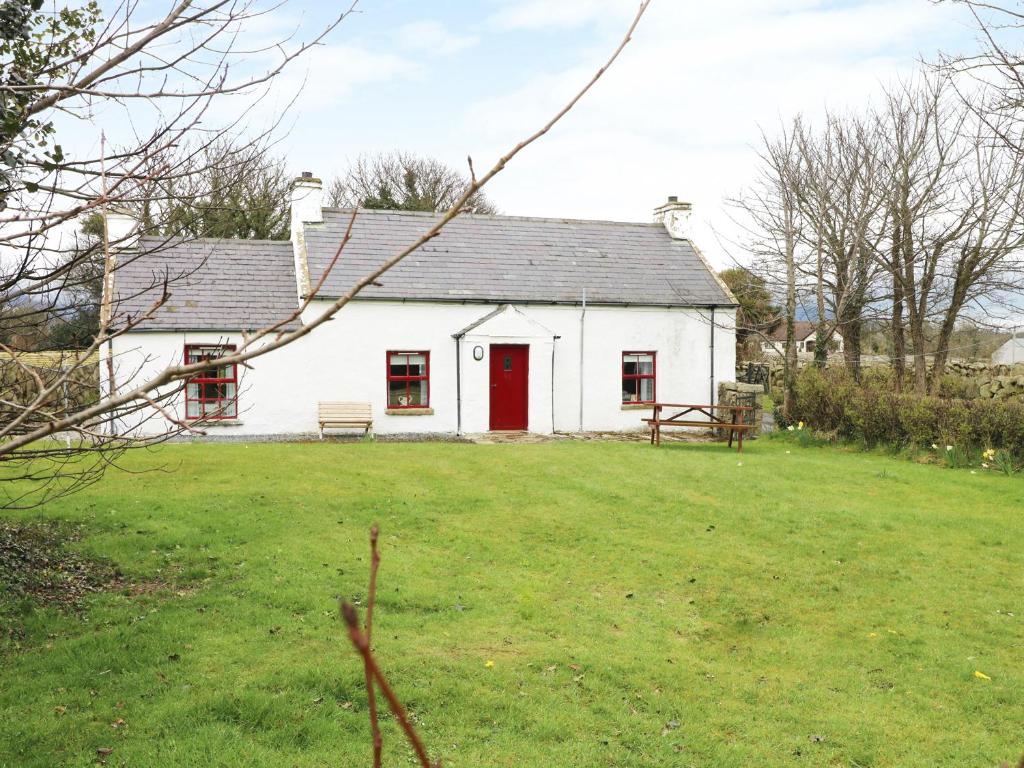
{"x": 371, "y": 693}
{"x": 249, "y": 350}
{"x": 359, "y": 640}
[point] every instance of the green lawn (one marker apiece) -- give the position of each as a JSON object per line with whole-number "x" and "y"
{"x": 642, "y": 607}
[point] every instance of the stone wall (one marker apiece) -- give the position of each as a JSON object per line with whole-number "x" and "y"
{"x": 727, "y": 395}
{"x": 987, "y": 380}
{"x": 997, "y": 385}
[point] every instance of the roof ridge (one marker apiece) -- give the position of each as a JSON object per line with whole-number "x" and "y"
{"x": 496, "y": 216}
{"x": 217, "y": 240}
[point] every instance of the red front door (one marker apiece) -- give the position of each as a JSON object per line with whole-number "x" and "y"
{"x": 510, "y": 386}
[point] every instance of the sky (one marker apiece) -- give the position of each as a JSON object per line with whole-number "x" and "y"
{"x": 680, "y": 113}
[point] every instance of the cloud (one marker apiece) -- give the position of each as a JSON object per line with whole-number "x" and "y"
{"x": 432, "y": 37}
{"x": 332, "y": 72}
{"x": 683, "y": 108}
{"x": 544, "y": 14}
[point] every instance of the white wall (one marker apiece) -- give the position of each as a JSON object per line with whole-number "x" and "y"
{"x": 345, "y": 360}
{"x": 1010, "y": 353}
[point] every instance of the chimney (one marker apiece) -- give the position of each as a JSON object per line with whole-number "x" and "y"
{"x": 307, "y": 204}
{"x": 307, "y": 200}
{"x": 675, "y": 216}
{"x": 122, "y": 229}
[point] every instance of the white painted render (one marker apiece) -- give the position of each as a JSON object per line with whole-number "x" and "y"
{"x": 804, "y": 347}
{"x": 346, "y": 360}
{"x": 1010, "y": 353}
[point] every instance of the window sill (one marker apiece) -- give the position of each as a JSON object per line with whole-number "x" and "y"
{"x": 215, "y": 423}
{"x": 409, "y": 412}
{"x": 637, "y": 406}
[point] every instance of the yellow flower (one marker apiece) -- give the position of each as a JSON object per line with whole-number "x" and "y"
{"x": 982, "y": 676}
{"x": 489, "y": 664}
{"x": 800, "y": 425}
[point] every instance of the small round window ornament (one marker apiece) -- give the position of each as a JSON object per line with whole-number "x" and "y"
{"x": 478, "y": 352}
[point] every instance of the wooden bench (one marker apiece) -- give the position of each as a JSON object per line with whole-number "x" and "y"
{"x": 341, "y": 415}
{"x": 732, "y": 424}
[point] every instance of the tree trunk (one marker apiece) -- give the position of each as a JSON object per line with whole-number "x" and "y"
{"x": 821, "y": 336}
{"x": 851, "y": 345}
{"x": 899, "y": 340}
{"x": 945, "y": 334}
{"x": 920, "y": 357}
{"x": 916, "y": 311}
{"x": 899, "y": 337}
{"x": 789, "y": 372}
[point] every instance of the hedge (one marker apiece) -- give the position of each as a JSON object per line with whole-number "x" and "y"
{"x": 874, "y": 413}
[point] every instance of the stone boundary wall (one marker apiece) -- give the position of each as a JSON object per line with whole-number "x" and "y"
{"x": 991, "y": 380}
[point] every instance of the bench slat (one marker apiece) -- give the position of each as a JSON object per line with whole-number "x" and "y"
{"x": 708, "y": 424}
{"x": 344, "y": 414}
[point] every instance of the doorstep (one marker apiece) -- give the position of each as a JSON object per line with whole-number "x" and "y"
{"x": 500, "y": 437}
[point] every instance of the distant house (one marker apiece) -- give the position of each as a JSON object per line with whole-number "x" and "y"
{"x": 1011, "y": 352}
{"x": 805, "y": 337}
{"x": 500, "y": 323}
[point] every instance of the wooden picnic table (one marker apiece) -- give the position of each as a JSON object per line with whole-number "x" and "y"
{"x": 729, "y": 422}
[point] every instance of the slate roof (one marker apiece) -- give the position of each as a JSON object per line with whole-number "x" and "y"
{"x": 801, "y": 328}
{"x": 247, "y": 284}
{"x": 214, "y": 284}
{"x": 512, "y": 259}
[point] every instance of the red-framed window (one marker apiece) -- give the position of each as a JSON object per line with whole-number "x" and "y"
{"x": 408, "y": 379}
{"x": 639, "y": 374}
{"x": 212, "y": 393}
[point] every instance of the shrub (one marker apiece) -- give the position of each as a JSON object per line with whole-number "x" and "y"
{"x": 824, "y": 399}
{"x": 952, "y": 386}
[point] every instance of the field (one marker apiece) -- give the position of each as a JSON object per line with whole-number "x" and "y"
{"x": 681, "y": 606}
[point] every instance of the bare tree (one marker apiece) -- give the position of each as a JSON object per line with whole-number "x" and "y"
{"x": 915, "y": 208}
{"x": 997, "y": 69}
{"x": 770, "y": 216}
{"x": 954, "y": 197}
{"x": 841, "y": 197}
{"x": 42, "y": 469}
{"x": 406, "y": 182}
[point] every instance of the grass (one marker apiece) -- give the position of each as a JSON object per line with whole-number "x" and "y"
{"x": 680, "y": 606}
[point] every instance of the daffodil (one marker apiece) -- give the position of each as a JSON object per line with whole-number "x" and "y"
{"x": 935, "y": 447}
{"x": 800, "y": 426}
{"x": 790, "y": 427}
{"x": 489, "y": 664}
{"x": 981, "y": 676}
{"x": 949, "y": 448}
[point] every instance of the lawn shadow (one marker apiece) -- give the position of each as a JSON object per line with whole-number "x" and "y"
{"x": 705, "y": 446}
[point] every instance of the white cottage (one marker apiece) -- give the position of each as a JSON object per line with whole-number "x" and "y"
{"x": 804, "y": 336}
{"x": 501, "y": 323}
